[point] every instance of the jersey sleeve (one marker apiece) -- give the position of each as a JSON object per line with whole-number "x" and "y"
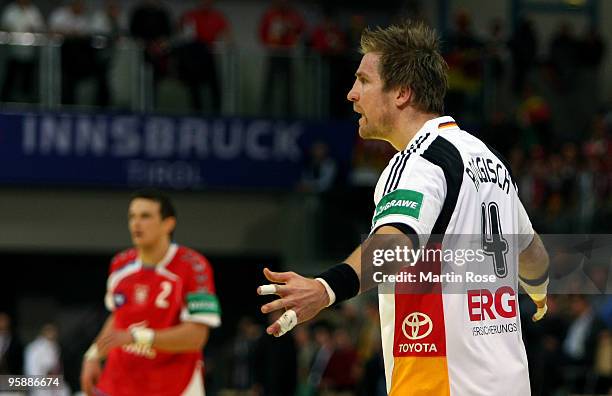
{"x": 525, "y": 229}
{"x": 123, "y": 264}
{"x": 413, "y": 197}
{"x": 109, "y": 300}
{"x": 201, "y": 304}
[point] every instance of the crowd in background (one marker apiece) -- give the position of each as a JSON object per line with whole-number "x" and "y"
{"x": 569, "y": 351}
{"x": 182, "y": 48}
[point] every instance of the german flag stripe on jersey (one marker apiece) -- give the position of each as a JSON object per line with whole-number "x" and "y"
{"x": 446, "y": 125}
{"x": 419, "y": 351}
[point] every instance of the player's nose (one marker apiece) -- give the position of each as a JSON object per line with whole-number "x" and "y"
{"x": 352, "y": 95}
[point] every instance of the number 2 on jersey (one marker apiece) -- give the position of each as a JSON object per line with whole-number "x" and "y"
{"x": 493, "y": 242}
{"x": 161, "y": 300}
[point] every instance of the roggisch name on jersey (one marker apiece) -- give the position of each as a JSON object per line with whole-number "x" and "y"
{"x": 487, "y": 170}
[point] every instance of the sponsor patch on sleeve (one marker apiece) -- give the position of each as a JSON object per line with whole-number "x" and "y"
{"x": 402, "y": 202}
{"x": 202, "y": 303}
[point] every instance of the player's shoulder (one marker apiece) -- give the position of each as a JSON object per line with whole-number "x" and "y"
{"x": 123, "y": 258}
{"x": 191, "y": 258}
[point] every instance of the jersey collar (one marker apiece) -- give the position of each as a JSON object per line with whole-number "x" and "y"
{"x": 169, "y": 256}
{"x": 166, "y": 259}
{"x": 434, "y": 125}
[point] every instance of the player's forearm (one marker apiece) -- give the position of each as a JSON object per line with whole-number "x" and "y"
{"x": 354, "y": 260}
{"x": 534, "y": 261}
{"x": 93, "y": 352}
{"x": 185, "y": 337}
{"x": 386, "y": 238}
{"x": 341, "y": 279}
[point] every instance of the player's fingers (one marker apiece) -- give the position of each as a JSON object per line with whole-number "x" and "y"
{"x": 285, "y": 323}
{"x": 264, "y": 290}
{"x": 275, "y": 305}
{"x": 279, "y": 277}
{"x": 273, "y": 329}
{"x": 540, "y": 312}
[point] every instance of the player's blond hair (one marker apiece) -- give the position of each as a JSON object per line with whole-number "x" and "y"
{"x": 410, "y": 57}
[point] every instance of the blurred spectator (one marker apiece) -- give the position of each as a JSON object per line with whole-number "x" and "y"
{"x": 563, "y": 55}
{"x": 242, "y": 372}
{"x": 496, "y": 65}
{"x": 464, "y": 57}
{"x": 108, "y": 28}
{"x": 107, "y": 20}
{"x": 535, "y": 116}
{"x": 43, "y": 357}
{"x": 11, "y": 350}
{"x": 276, "y": 368}
{"x": 21, "y": 16}
{"x": 523, "y": 47}
{"x": 544, "y": 340}
{"x": 580, "y": 344}
{"x": 340, "y": 375}
{"x": 70, "y": 20}
{"x": 79, "y": 57}
{"x": 327, "y": 39}
{"x": 373, "y": 381}
{"x": 329, "y": 42}
{"x": 306, "y": 352}
{"x": 591, "y": 49}
{"x": 203, "y": 27}
{"x": 280, "y": 31}
{"x": 356, "y": 26}
{"x": 325, "y": 349}
{"x": 369, "y": 333}
{"x": 150, "y": 23}
{"x": 320, "y": 173}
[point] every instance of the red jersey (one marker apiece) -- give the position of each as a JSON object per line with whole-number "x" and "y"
{"x": 207, "y": 23}
{"x": 281, "y": 28}
{"x": 328, "y": 40}
{"x": 180, "y": 288}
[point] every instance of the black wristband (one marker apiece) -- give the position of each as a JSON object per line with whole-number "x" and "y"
{"x": 343, "y": 280}
{"x": 536, "y": 282}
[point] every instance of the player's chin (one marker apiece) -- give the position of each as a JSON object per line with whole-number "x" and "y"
{"x": 366, "y": 133}
{"x": 138, "y": 241}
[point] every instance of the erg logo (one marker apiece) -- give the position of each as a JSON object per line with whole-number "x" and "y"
{"x": 483, "y": 304}
{"x": 417, "y": 326}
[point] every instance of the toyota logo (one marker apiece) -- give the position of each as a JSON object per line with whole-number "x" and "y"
{"x": 417, "y": 325}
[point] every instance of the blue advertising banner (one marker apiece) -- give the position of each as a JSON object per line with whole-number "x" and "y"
{"x": 135, "y": 150}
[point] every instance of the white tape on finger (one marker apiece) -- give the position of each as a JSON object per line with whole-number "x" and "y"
{"x": 287, "y": 321}
{"x": 264, "y": 290}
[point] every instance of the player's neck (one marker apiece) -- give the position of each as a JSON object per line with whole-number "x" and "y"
{"x": 408, "y": 125}
{"x": 151, "y": 256}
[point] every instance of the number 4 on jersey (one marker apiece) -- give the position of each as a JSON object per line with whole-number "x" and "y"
{"x": 493, "y": 242}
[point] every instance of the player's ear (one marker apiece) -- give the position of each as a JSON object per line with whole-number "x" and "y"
{"x": 403, "y": 95}
{"x": 169, "y": 224}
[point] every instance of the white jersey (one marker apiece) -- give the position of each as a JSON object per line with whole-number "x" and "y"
{"x": 464, "y": 338}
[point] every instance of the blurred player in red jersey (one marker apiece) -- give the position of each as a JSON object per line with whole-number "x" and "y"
{"x": 162, "y": 301}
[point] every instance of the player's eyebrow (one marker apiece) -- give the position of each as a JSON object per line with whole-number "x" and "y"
{"x": 360, "y": 74}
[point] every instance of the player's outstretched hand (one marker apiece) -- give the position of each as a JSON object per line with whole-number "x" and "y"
{"x": 301, "y": 298}
{"x": 90, "y": 373}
